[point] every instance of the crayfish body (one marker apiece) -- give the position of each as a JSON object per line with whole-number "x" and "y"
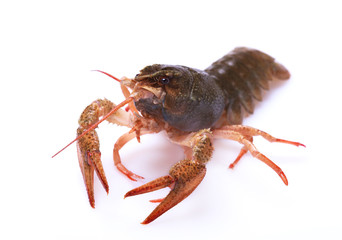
{"x": 193, "y": 107}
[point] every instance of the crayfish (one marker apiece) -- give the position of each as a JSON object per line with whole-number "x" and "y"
{"x": 193, "y": 107}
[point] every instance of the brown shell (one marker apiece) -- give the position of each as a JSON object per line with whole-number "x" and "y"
{"x": 242, "y": 74}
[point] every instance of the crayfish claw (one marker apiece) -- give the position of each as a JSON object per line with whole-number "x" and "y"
{"x": 184, "y": 178}
{"x": 89, "y": 158}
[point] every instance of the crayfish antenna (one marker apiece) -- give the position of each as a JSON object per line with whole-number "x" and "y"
{"x": 127, "y": 100}
{"x": 109, "y": 75}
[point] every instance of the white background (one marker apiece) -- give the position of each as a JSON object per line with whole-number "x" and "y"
{"x": 47, "y": 49}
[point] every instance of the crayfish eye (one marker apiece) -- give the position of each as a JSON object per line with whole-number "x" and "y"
{"x": 164, "y": 80}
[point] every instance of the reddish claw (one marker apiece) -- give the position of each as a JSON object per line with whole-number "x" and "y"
{"x": 89, "y": 158}
{"x": 186, "y": 176}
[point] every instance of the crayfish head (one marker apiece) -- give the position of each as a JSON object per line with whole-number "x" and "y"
{"x": 153, "y": 85}
{"x": 185, "y": 98}
{"x": 165, "y": 77}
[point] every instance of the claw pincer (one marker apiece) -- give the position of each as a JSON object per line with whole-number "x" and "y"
{"x": 89, "y": 158}
{"x": 185, "y": 176}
